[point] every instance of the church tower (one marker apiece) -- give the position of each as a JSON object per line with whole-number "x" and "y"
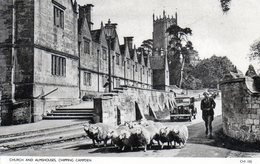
{"x": 160, "y": 36}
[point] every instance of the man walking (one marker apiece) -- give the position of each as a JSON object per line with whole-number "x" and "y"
{"x": 207, "y": 106}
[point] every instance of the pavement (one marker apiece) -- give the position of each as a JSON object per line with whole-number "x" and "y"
{"x": 38, "y": 126}
{"x": 45, "y": 124}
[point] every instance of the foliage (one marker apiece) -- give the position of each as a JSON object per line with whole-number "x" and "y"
{"x": 146, "y": 47}
{"x": 255, "y": 50}
{"x": 179, "y": 48}
{"x": 211, "y": 71}
{"x": 225, "y": 5}
{"x": 251, "y": 71}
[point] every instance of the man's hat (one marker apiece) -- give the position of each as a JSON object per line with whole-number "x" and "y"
{"x": 205, "y": 93}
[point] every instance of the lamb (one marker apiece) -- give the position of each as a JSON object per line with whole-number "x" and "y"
{"x": 179, "y": 135}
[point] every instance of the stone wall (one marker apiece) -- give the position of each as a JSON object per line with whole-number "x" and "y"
{"x": 241, "y": 109}
{"x": 131, "y": 103}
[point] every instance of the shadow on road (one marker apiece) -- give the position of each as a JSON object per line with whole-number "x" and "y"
{"x": 197, "y": 136}
{"x": 112, "y": 149}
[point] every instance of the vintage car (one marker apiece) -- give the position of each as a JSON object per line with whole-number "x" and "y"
{"x": 185, "y": 109}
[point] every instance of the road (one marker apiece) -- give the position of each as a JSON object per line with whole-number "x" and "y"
{"x": 198, "y": 144}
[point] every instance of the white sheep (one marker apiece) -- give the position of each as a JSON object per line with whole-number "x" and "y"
{"x": 164, "y": 136}
{"x": 141, "y": 137}
{"x": 98, "y": 132}
{"x": 179, "y": 135}
{"x": 127, "y": 138}
{"x": 90, "y": 134}
{"x": 114, "y": 135}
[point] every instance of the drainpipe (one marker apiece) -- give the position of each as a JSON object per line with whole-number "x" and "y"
{"x": 98, "y": 66}
{"x": 79, "y": 75}
{"x": 13, "y": 52}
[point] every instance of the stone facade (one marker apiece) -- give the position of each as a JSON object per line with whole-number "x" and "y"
{"x": 241, "y": 109}
{"x": 50, "y": 56}
{"x": 131, "y": 103}
{"x": 28, "y": 42}
{"x": 127, "y": 66}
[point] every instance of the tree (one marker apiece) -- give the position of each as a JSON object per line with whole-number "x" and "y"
{"x": 255, "y": 51}
{"x": 251, "y": 71}
{"x": 146, "y": 47}
{"x": 225, "y": 5}
{"x": 179, "y": 46}
{"x": 211, "y": 71}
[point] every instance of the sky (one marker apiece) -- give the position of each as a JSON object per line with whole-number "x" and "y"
{"x": 216, "y": 33}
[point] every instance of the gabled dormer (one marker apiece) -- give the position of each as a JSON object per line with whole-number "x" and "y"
{"x": 115, "y": 44}
{"x": 126, "y": 49}
{"x": 83, "y": 26}
{"x": 142, "y": 58}
{"x": 102, "y": 37}
{"x": 148, "y": 63}
{"x": 135, "y": 55}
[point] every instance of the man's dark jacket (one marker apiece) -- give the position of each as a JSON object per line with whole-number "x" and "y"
{"x": 207, "y": 105}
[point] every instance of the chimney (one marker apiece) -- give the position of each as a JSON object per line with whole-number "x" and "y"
{"x": 85, "y": 11}
{"x": 129, "y": 42}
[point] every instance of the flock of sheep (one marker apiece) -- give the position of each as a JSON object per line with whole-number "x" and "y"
{"x": 136, "y": 134}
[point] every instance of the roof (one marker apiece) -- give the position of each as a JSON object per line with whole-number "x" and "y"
{"x": 96, "y": 35}
{"x": 157, "y": 62}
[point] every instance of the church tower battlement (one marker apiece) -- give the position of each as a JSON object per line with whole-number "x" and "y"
{"x": 160, "y": 36}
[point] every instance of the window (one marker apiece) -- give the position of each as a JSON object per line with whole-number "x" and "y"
{"x": 104, "y": 54}
{"x": 58, "y": 66}
{"x": 135, "y": 67}
{"x": 58, "y": 17}
{"x": 87, "y": 79}
{"x": 117, "y": 83}
{"x": 128, "y": 64}
{"x": 143, "y": 70}
{"x": 117, "y": 59}
{"x": 86, "y": 46}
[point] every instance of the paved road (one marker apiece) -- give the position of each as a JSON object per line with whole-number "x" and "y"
{"x": 198, "y": 145}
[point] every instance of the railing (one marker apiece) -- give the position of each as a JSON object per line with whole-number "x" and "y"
{"x": 43, "y": 96}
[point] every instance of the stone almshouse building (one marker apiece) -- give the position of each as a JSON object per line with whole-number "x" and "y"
{"x": 50, "y": 56}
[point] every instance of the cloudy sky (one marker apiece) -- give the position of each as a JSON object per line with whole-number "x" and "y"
{"x": 213, "y": 32}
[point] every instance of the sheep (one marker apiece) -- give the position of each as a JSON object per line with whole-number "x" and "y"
{"x": 114, "y": 135}
{"x": 153, "y": 132}
{"x": 98, "y": 132}
{"x": 179, "y": 135}
{"x": 141, "y": 137}
{"x": 157, "y": 126}
{"x": 146, "y": 122}
{"x": 164, "y": 136}
{"x": 90, "y": 134}
{"x": 127, "y": 138}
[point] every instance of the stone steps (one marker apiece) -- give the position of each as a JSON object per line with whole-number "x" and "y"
{"x": 71, "y": 112}
{"x": 41, "y": 137}
{"x": 67, "y": 117}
